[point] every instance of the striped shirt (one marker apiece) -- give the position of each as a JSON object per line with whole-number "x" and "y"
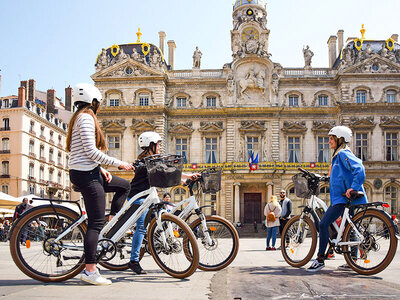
{"x": 84, "y": 155}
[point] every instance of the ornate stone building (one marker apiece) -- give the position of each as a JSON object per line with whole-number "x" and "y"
{"x": 218, "y": 117}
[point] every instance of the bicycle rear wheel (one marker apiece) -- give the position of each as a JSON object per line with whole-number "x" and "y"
{"x": 35, "y": 252}
{"x": 377, "y": 250}
{"x": 225, "y": 243}
{"x": 172, "y": 258}
{"x": 298, "y": 241}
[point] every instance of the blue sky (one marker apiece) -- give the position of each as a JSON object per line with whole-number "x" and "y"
{"x": 56, "y": 42}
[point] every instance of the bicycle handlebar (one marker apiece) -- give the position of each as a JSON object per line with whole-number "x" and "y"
{"x": 314, "y": 175}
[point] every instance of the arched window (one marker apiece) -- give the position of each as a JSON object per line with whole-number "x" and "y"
{"x": 143, "y": 99}
{"x": 391, "y": 96}
{"x": 114, "y": 100}
{"x": 361, "y": 96}
{"x": 391, "y": 196}
{"x": 323, "y": 100}
{"x": 180, "y": 101}
{"x": 211, "y": 101}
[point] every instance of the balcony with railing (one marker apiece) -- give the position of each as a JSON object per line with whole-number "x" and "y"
{"x": 7, "y": 128}
{"x": 301, "y": 72}
{"x": 5, "y": 176}
{"x": 4, "y": 151}
{"x": 196, "y": 73}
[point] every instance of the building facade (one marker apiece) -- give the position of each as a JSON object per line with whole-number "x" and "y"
{"x": 218, "y": 117}
{"x": 33, "y": 133}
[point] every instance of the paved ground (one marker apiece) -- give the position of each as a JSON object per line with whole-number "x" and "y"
{"x": 255, "y": 274}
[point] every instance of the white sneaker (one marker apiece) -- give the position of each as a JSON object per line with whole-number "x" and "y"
{"x": 95, "y": 278}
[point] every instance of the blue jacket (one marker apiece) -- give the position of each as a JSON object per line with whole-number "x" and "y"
{"x": 347, "y": 172}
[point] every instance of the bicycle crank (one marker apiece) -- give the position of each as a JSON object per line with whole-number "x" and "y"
{"x": 106, "y": 250}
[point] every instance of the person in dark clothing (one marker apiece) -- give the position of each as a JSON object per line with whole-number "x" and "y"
{"x": 286, "y": 205}
{"x": 19, "y": 211}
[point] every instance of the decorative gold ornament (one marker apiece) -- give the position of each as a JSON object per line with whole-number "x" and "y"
{"x": 249, "y": 12}
{"x": 249, "y": 33}
{"x": 139, "y": 34}
{"x": 390, "y": 44}
{"x": 145, "y": 48}
{"x": 358, "y": 44}
{"x": 362, "y": 30}
{"x": 114, "y": 50}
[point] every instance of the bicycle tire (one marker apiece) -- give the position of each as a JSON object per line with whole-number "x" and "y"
{"x": 294, "y": 244}
{"x": 186, "y": 239}
{"x": 381, "y": 229}
{"x": 21, "y": 254}
{"x": 206, "y": 251}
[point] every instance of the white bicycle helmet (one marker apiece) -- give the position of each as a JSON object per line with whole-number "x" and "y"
{"x": 148, "y": 137}
{"x": 86, "y": 93}
{"x": 341, "y": 132}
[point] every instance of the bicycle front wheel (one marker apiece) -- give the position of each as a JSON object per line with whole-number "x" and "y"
{"x": 298, "y": 241}
{"x": 379, "y": 246}
{"x": 224, "y": 244}
{"x": 35, "y": 251}
{"x": 171, "y": 256}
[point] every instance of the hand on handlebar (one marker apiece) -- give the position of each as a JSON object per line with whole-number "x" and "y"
{"x": 126, "y": 166}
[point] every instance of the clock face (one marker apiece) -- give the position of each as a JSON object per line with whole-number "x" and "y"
{"x": 249, "y": 33}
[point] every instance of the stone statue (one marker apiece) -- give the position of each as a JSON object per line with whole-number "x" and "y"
{"x": 397, "y": 55}
{"x": 252, "y": 45}
{"x": 103, "y": 60}
{"x": 155, "y": 60}
{"x": 368, "y": 51}
{"x": 122, "y": 55}
{"x": 260, "y": 79}
{"x": 136, "y": 56}
{"x": 197, "y": 58}
{"x": 308, "y": 54}
{"x": 275, "y": 83}
{"x": 383, "y": 52}
{"x": 236, "y": 47}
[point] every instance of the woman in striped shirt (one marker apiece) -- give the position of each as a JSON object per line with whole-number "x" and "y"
{"x": 85, "y": 141}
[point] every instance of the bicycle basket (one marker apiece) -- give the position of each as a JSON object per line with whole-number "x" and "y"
{"x": 164, "y": 170}
{"x": 211, "y": 180}
{"x": 301, "y": 186}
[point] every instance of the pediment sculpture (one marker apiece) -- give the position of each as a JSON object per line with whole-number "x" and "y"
{"x": 251, "y": 80}
{"x": 294, "y": 127}
{"x": 211, "y": 127}
{"x": 181, "y": 128}
{"x": 362, "y": 122}
{"x": 323, "y": 126}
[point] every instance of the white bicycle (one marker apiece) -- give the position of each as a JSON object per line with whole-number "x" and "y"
{"x": 58, "y": 254}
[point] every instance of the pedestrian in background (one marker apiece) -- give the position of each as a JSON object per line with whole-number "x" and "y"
{"x": 272, "y": 211}
{"x": 286, "y": 205}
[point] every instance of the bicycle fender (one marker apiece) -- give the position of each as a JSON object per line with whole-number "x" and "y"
{"x": 396, "y": 229}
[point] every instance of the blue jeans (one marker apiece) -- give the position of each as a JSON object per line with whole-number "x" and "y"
{"x": 272, "y": 233}
{"x": 139, "y": 234}
{"x": 332, "y": 213}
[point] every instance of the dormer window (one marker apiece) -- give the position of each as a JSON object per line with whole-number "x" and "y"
{"x": 6, "y": 103}
{"x": 181, "y": 102}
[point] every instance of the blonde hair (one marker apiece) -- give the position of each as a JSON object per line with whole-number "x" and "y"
{"x": 274, "y": 201}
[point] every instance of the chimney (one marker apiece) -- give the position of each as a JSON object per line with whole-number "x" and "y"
{"x": 68, "y": 98}
{"x": 395, "y": 37}
{"x": 21, "y": 96}
{"x": 332, "y": 50}
{"x": 24, "y": 83}
{"x": 171, "y": 53}
{"x": 162, "y": 36}
{"x": 340, "y": 40}
{"x": 51, "y": 98}
{"x": 32, "y": 90}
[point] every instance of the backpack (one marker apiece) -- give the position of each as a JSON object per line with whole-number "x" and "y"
{"x": 271, "y": 216}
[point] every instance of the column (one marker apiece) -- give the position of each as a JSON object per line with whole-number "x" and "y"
{"x": 269, "y": 190}
{"x": 237, "y": 202}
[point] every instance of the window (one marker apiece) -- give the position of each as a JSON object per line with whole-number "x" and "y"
{"x": 211, "y": 101}
{"x": 51, "y": 175}
{"x": 32, "y": 127}
{"x": 114, "y": 100}
{"x": 59, "y": 178}
{"x": 180, "y": 102}
{"x": 31, "y": 170}
{"x": 361, "y": 146}
{"x": 294, "y": 149}
{"x": 391, "y": 197}
{"x": 41, "y": 173}
{"x": 59, "y": 158}
{"x": 361, "y": 96}
{"x": 293, "y": 100}
{"x": 391, "y": 96}
{"x": 5, "y": 166}
{"x": 41, "y": 192}
{"x": 211, "y": 150}
{"x": 143, "y": 100}
{"x": 323, "y": 149}
{"x": 41, "y": 152}
{"x": 5, "y": 144}
{"x": 31, "y": 189}
{"x": 42, "y": 131}
{"x": 51, "y": 136}
{"x": 211, "y": 200}
{"x": 6, "y": 103}
{"x": 391, "y": 146}
{"x": 181, "y": 147}
{"x": 323, "y": 100}
{"x": 59, "y": 140}
{"x": 252, "y": 146}
{"x": 4, "y": 189}
{"x": 6, "y": 124}
{"x": 51, "y": 154}
{"x": 179, "y": 194}
{"x": 113, "y": 146}
{"x": 31, "y": 147}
